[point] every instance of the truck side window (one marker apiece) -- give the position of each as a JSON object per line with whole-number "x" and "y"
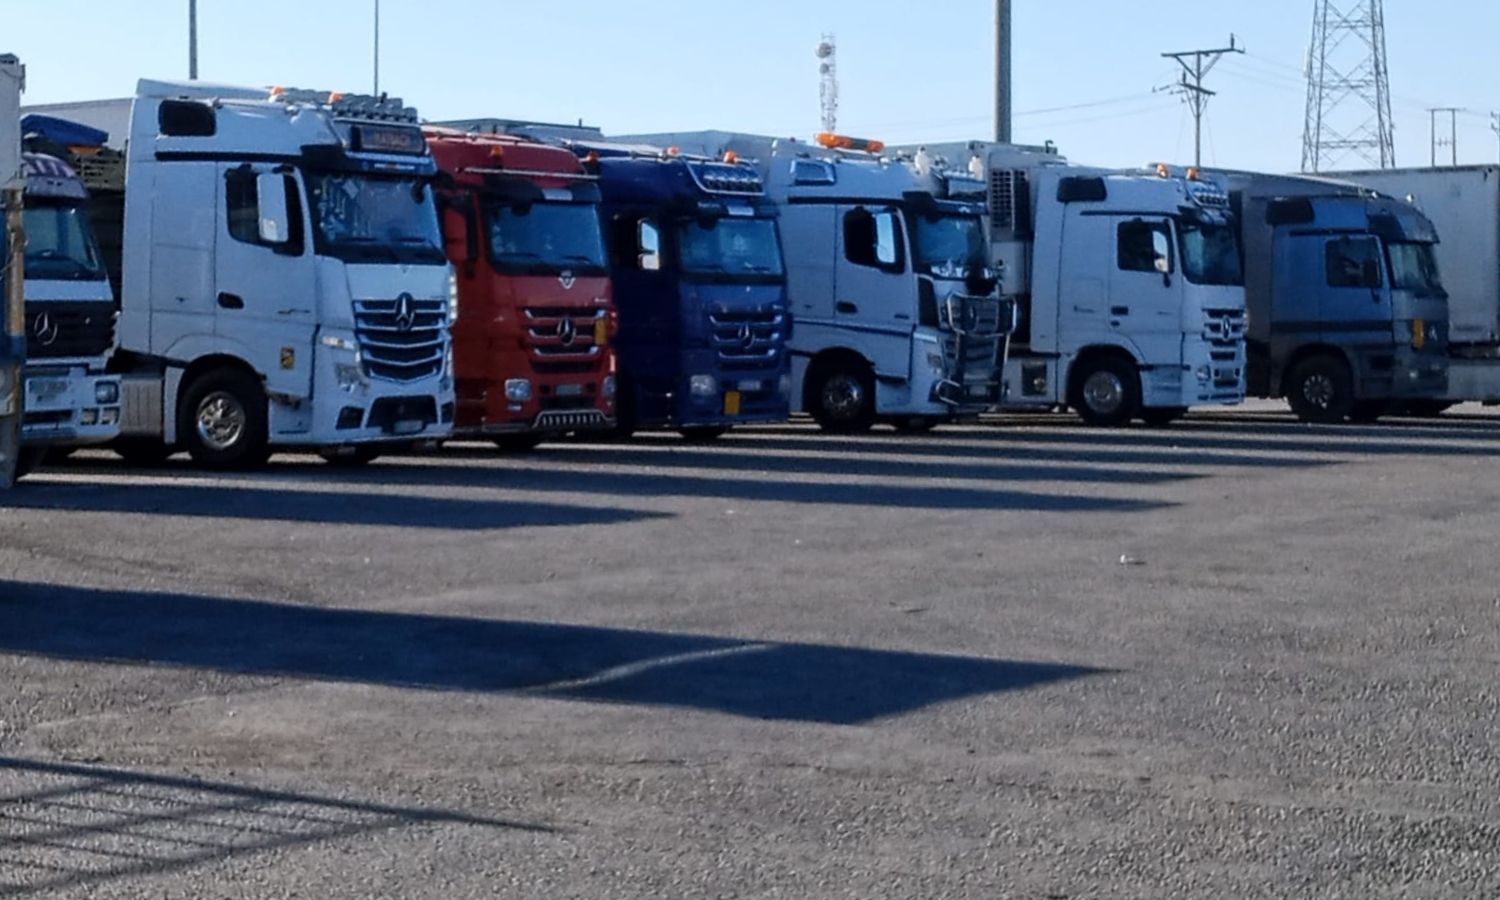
{"x": 1354, "y": 263}
{"x": 242, "y": 204}
{"x": 1145, "y": 247}
{"x": 874, "y": 239}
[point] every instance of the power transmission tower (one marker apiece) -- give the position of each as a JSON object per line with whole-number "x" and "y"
{"x": 1348, "y": 87}
{"x": 828, "y": 86}
{"x": 1196, "y": 64}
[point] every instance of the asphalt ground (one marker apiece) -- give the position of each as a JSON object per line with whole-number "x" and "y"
{"x": 1240, "y": 657}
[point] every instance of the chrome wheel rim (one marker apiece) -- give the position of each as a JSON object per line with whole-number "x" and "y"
{"x": 221, "y": 421}
{"x": 1104, "y": 392}
{"x": 1318, "y": 390}
{"x": 843, "y": 396}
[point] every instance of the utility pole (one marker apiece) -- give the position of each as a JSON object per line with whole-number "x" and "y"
{"x": 1452, "y": 141}
{"x": 1495, "y": 123}
{"x": 1196, "y": 64}
{"x": 377, "y": 48}
{"x": 1004, "y": 95}
{"x": 192, "y": 40}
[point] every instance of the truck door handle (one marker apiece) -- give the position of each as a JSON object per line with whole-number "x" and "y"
{"x": 844, "y": 306}
{"x": 231, "y": 301}
{"x": 1119, "y": 310}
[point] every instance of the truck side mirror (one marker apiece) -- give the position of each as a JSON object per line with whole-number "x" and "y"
{"x": 648, "y": 239}
{"x": 275, "y": 225}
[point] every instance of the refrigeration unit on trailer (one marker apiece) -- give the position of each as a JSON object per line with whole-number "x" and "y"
{"x": 1348, "y": 315}
{"x": 700, "y": 287}
{"x": 283, "y": 278}
{"x": 897, "y": 312}
{"x": 1463, "y": 204}
{"x": 531, "y": 346}
{"x": 1129, "y": 283}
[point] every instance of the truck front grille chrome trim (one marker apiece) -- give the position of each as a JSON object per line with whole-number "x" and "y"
{"x": 401, "y": 340}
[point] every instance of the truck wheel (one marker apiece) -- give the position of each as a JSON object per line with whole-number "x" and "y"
{"x": 703, "y": 434}
{"x": 1106, "y": 392}
{"x": 29, "y": 460}
{"x": 518, "y": 443}
{"x": 222, "y": 420}
{"x": 144, "y": 453}
{"x": 1320, "y": 389}
{"x": 843, "y": 398}
{"x": 1162, "y": 416}
{"x": 350, "y": 457}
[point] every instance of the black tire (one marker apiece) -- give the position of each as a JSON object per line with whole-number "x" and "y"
{"x": 703, "y": 434}
{"x": 1106, "y": 391}
{"x": 143, "y": 453}
{"x": 914, "y": 426}
{"x": 1320, "y": 389}
{"x": 350, "y": 457}
{"x": 841, "y": 397}
{"x": 29, "y": 460}
{"x": 1162, "y": 416}
{"x": 1425, "y": 409}
{"x": 518, "y": 443}
{"x": 221, "y": 420}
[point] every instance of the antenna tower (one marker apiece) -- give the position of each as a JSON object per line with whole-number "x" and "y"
{"x": 828, "y": 88}
{"x": 1348, "y": 88}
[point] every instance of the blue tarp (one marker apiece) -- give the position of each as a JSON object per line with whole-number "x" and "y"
{"x": 61, "y": 131}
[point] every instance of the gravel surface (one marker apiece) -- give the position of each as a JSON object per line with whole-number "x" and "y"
{"x": 1240, "y": 657}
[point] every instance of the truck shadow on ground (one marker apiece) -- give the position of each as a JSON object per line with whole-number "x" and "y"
{"x": 241, "y": 501}
{"x": 69, "y": 827}
{"x": 761, "y": 680}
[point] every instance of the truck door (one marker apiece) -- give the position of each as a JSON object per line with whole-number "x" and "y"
{"x": 874, "y": 290}
{"x": 1146, "y": 288}
{"x": 265, "y": 291}
{"x": 1354, "y": 304}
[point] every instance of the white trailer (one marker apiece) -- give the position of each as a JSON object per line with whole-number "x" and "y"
{"x": 1464, "y": 205}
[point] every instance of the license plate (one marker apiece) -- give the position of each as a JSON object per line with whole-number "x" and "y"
{"x": 570, "y": 390}
{"x": 407, "y": 426}
{"x": 732, "y": 403}
{"x": 601, "y": 332}
{"x": 44, "y": 389}
{"x": 751, "y": 387}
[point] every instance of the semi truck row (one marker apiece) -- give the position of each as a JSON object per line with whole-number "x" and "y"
{"x": 233, "y": 272}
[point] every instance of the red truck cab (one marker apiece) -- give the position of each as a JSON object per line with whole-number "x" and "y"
{"x": 531, "y": 347}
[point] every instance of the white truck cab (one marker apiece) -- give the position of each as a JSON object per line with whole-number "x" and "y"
{"x": 1129, "y": 282}
{"x": 283, "y": 278}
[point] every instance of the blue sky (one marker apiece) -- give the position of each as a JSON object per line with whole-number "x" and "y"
{"x": 909, "y": 71}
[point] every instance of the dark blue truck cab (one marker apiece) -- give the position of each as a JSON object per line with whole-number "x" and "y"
{"x": 700, "y": 289}
{"x": 1348, "y": 319}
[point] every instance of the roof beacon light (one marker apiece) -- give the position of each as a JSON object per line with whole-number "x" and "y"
{"x": 1163, "y": 170}
{"x": 731, "y": 157}
{"x": 833, "y": 141}
{"x": 1193, "y": 174}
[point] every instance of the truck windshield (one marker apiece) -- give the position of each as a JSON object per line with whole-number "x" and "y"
{"x": 731, "y": 249}
{"x": 1413, "y": 268}
{"x": 950, "y": 246}
{"x": 60, "y": 245}
{"x": 547, "y": 238}
{"x": 1210, "y": 253}
{"x": 361, "y": 218}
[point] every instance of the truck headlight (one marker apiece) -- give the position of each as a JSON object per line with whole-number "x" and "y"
{"x": 518, "y": 390}
{"x": 1205, "y": 374}
{"x": 703, "y": 386}
{"x": 935, "y": 362}
{"x": 349, "y": 376}
{"x": 452, "y": 295}
{"x": 607, "y": 387}
{"x": 107, "y": 393}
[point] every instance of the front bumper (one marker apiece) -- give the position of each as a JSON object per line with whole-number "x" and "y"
{"x": 1210, "y": 374}
{"x": 63, "y": 408}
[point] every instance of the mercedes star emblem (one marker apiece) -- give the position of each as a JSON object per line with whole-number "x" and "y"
{"x": 567, "y": 280}
{"x": 406, "y": 317}
{"x": 44, "y": 330}
{"x": 567, "y": 332}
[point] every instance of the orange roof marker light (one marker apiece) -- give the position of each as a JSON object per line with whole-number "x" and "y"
{"x": 1194, "y": 174}
{"x": 673, "y": 151}
{"x": 335, "y": 97}
{"x": 843, "y": 142}
{"x": 1163, "y": 170}
{"x": 731, "y": 157}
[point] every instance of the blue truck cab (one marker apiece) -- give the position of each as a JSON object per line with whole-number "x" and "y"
{"x": 700, "y": 288}
{"x": 1348, "y": 318}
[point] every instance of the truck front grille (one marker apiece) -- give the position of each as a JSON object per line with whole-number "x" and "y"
{"x": 563, "y": 334}
{"x": 749, "y": 339}
{"x": 401, "y": 340}
{"x": 69, "y": 330}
